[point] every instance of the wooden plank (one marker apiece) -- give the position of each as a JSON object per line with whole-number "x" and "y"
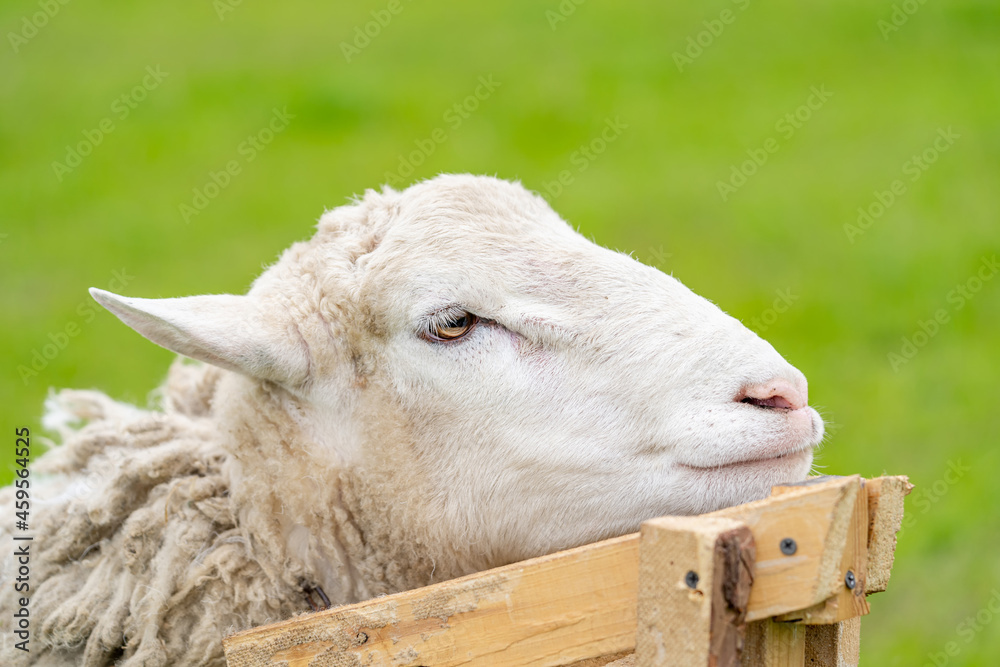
{"x": 622, "y": 659}
{"x": 552, "y": 610}
{"x": 784, "y": 645}
{"x": 771, "y": 644}
{"x": 818, "y": 517}
{"x": 886, "y": 497}
{"x": 565, "y": 607}
{"x": 753, "y": 644}
{"x": 849, "y": 600}
{"x": 694, "y": 585}
{"x": 837, "y": 645}
{"x": 885, "y": 513}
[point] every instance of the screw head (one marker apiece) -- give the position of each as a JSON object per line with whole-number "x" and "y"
{"x": 788, "y": 546}
{"x": 691, "y": 579}
{"x": 850, "y": 580}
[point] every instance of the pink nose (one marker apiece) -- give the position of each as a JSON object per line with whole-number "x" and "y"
{"x": 778, "y": 393}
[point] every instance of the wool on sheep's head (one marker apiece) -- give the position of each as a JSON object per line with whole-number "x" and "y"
{"x": 516, "y": 385}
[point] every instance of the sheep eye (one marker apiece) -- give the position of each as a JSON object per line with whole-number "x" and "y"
{"x": 453, "y": 326}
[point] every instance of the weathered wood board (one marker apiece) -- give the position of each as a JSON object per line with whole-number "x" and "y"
{"x": 581, "y": 604}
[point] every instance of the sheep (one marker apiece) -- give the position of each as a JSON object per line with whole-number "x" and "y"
{"x": 442, "y": 380}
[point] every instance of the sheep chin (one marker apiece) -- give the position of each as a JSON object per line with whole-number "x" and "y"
{"x": 743, "y": 481}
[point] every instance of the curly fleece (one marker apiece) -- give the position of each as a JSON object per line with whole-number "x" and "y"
{"x": 138, "y": 529}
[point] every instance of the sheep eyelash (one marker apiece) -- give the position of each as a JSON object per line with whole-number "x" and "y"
{"x": 441, "y": 317}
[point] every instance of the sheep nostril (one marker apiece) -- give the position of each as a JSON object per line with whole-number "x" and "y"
{"x": 773, "y": 402}
{"x": 774, "y": 395}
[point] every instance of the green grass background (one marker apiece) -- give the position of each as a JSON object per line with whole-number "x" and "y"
{"x": 652, "y": 192}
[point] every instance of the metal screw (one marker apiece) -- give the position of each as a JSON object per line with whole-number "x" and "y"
{"x": 691, "y": 579}
{"x": 788, "y": 546}
{"x": 849, "y": 580}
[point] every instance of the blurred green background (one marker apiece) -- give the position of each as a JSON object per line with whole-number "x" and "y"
{"x": 695, "y": 91}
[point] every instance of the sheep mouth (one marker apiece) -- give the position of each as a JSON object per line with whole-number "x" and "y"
{"x": 786, "y": 458}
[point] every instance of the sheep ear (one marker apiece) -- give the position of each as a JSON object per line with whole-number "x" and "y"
{"x": 220, "y": 329}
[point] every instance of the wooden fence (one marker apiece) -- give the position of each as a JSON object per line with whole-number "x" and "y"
{"x": 777, "y": 582}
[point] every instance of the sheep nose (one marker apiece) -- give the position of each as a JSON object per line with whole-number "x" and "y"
{"x": 778, "y": 393}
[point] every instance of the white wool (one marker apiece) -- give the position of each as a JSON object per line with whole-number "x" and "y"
{"x": 332, "y": 442}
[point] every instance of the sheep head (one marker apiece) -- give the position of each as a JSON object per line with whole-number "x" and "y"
{"x": 526, "y": 388}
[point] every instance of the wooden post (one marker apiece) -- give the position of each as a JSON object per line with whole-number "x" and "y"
{"x": 836, "y": 645}
{"x": 695, "y": 577}
{"x": 772, "y": 644}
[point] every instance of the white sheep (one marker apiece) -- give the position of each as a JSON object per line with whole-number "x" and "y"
{"x": 441, "y": 380}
